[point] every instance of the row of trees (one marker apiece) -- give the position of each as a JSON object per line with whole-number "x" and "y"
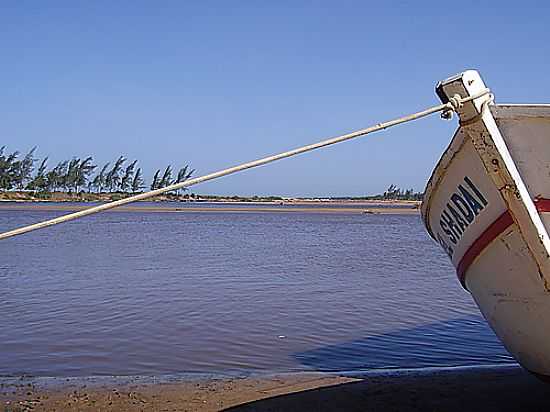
{"x": 395, "y": 193}
{"x": 79, "y": 174}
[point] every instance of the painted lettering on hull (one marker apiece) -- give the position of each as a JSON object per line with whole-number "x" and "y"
{"x": 460, "y": 211}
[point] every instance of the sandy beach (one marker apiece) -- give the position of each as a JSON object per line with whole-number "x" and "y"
{"x": 459, "y": 389}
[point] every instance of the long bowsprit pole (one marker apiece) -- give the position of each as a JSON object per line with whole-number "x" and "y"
{"x": 447, "y": 107}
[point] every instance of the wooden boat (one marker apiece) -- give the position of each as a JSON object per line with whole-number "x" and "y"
{"x": 487, "y": 204}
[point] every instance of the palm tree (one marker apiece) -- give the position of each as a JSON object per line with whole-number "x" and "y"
{"x": 57, "y": 177}
{"x": 23, "y": 169}
{"x": 71, "y": 177}
{"x": 84, "y": 170}
{"x": 166, "y": 177}
{"x": 126, "y": 181}
{"x": 99, "y": 180}
{"x": 39, "y": 181}
{"x": 137, "y": 181}
{"x": 112, "y": 180}
{"x": 7, "y": 169}
{"x": 183, "y": 175}
{"x": 156, "y": 180}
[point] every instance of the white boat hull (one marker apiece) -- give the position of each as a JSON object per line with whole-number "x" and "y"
{"x": 493, "y": 223}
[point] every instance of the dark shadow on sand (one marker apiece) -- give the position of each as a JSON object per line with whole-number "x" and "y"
{"x": 507, "y": 388}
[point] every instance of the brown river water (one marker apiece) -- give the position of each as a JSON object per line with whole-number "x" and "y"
{"x": 140, "y": 293}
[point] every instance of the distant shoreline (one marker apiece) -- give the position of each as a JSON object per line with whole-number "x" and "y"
{"x": 84, "y": 197}
{"x": 172, "y": 203}
{"x": 345, "y": 207}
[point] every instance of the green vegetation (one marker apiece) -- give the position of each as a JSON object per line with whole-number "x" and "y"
{"x": 395, "y": 193}
{"x": 236, "y": 198}
{"x": 81, "y": 179}
{"x": 76, "y": 176}
{"x": 392, "y": 193}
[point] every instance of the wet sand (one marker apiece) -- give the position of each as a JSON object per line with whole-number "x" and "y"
{"x": 364, "y": 209}
{"x": 470, "y": 389}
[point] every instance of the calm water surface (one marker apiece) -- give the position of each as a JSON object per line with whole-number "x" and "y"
{"x": 161, "y": 293}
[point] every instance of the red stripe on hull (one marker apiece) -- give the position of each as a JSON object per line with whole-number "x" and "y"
{"x": 494, "y": 230}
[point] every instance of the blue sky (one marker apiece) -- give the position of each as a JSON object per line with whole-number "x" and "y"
{"x": 213, "y": 84}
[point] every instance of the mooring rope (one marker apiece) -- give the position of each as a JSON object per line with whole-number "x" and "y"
{"x": 447, "y": 108}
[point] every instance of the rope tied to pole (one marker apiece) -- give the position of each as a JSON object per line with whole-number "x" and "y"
{"x": 456, "y": 102}
{"x": 446, "y": 110}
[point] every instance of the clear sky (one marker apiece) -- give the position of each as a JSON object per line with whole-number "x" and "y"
{"x": 213, "y": 84}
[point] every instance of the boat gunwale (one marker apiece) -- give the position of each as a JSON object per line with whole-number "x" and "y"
{"x": 499, "y": 111}
{"x": 520, "y": 111}
{"x": 438, "y": 173}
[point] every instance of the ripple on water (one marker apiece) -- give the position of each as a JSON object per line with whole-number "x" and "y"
{"x": 155, "y": 293}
